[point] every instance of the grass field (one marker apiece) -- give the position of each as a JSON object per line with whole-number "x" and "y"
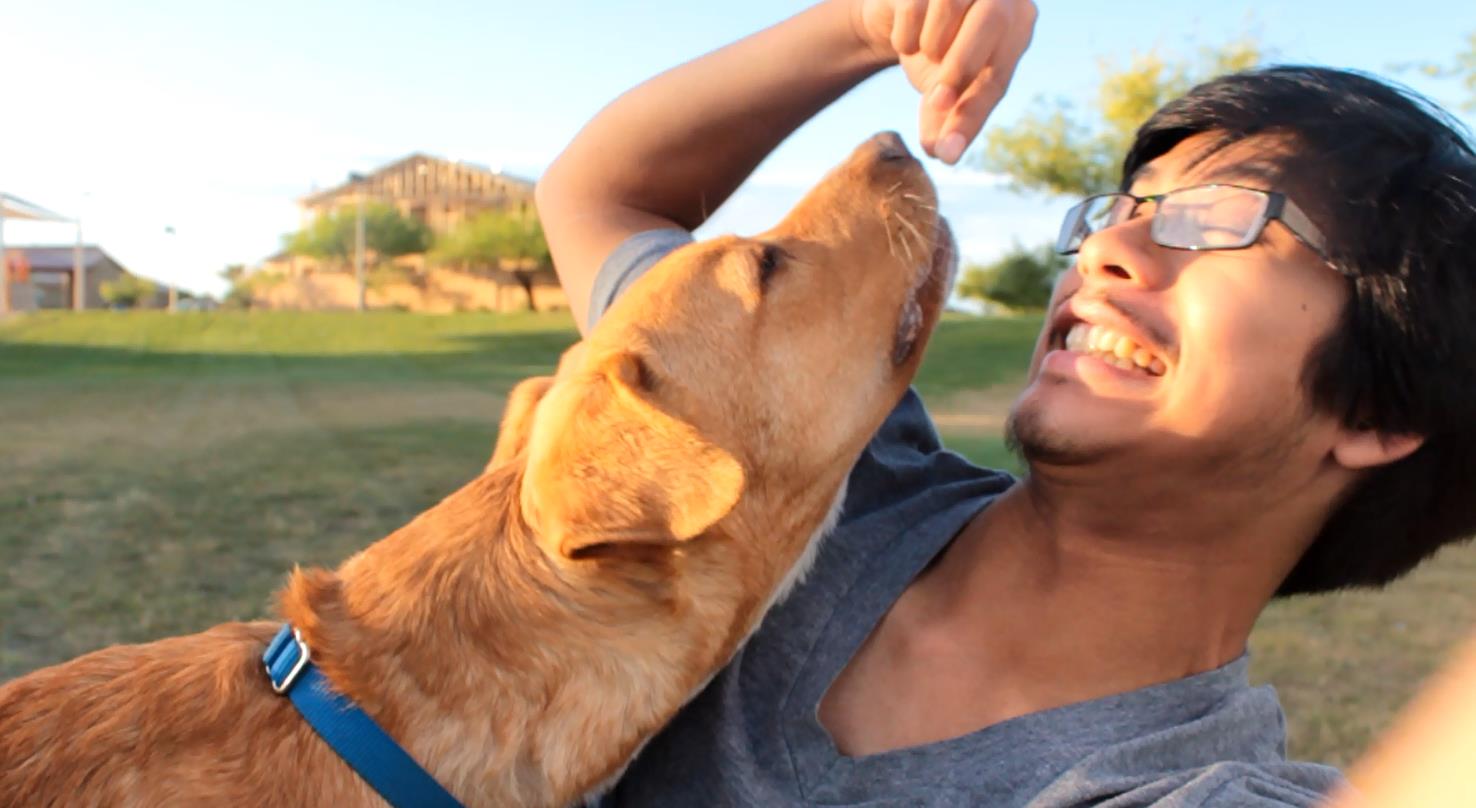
{"x": 161, "y": 473}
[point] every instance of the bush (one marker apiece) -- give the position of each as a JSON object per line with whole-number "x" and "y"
{"x": 1021, "y": 280}
{"x": 127, "y": 291}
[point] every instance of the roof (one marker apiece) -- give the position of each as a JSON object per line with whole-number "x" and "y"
{"x": 13, "y": 207}
{"x": 59, "y": 258}
{"x": 411, "y": 159}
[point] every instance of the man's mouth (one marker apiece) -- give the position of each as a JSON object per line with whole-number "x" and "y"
{"x": 1110, "y": 347}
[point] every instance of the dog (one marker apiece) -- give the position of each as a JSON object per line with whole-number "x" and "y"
{"x": 643, "y": 508}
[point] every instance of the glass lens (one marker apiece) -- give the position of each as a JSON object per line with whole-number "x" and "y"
{"x": 1211, "y": 217}
{"x": 1093, "y": 214}
{"x": 1069, "y": 239}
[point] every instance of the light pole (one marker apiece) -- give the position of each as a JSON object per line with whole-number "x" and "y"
{"x": 358, "y": 180}
{"x": 79, "y": 271}
{"x": 79, "y": 266}
{"x": 4, "y": 264}
{"x": 174, "y": 251}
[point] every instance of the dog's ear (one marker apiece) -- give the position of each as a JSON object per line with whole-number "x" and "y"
{"x": 522, "y": 402}
{"x": 607, "y": 468}
{"x": 517, "y": 419}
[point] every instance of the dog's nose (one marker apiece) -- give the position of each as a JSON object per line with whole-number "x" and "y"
{"x": 889, "y": 147}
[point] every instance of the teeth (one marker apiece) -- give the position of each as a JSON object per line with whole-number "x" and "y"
{"x": 1078, "y": 337}
{"x": 1113, "y": 348}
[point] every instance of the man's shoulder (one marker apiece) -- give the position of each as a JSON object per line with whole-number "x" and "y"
{"x": 906, "y": 462}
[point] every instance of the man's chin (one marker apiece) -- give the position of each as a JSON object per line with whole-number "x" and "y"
{"x": 1031, "y": 437}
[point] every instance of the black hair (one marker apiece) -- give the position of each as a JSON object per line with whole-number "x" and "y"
{"x": 1391, "y": 181}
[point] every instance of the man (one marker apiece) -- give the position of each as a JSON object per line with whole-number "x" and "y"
{"x": 1255, "y": 381}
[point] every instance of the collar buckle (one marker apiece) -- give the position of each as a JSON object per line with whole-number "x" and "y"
{"x": 285, "y": 659}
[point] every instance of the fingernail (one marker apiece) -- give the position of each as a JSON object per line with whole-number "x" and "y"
{"x": 950, "y": 148}
{"x": 942, "y": 97}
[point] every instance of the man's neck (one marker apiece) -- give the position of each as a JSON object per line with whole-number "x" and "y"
{"x": 1073, "y": 597}
{"x": 1059, "y": 598}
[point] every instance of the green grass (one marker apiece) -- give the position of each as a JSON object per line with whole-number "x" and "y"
{"x": 162, "y": 473}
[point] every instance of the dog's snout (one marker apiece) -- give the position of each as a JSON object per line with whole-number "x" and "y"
{"x": 889, "y": 147}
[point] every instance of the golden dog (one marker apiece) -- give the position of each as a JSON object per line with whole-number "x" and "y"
{"x": 644, "y": 507}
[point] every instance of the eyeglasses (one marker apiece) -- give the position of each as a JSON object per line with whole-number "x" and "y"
{"x": 1201, "y": 217}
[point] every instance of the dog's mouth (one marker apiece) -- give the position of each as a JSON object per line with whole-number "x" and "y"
{"x": 925, "y": 298}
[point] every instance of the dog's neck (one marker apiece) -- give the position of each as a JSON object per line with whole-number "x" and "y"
{"x": 499, "y": 668}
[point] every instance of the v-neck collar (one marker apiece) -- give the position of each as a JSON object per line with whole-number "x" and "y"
{"x": 826, "y": 775}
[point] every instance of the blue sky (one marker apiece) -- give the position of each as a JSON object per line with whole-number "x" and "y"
{"x": 213, "y": 118}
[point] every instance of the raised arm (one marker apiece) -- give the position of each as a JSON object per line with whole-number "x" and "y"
{"x": 1425, "y": 759}
{"x": 670, "y": 151}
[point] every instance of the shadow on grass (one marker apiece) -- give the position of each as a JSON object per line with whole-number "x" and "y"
{"x": 965, "y": 352}
{"x": 129, "y": 548}
{"x": 499, "y": 358}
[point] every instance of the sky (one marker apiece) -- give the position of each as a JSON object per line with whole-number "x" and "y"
{"x": 211, "y": 119}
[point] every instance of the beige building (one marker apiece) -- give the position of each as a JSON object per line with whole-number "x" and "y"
{"x": 440, "y": 193}
{"x": 43, "y": 277}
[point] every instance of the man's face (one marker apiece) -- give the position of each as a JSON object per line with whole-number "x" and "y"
{"x": 1226, "y": 335}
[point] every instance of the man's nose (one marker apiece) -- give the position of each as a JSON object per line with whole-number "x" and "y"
{"x": 1122, "y": 253}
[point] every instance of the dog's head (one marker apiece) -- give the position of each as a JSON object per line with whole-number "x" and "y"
{"x": 731, "y": 388}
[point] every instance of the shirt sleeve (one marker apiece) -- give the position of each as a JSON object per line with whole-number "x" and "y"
{"x": 630, "y": 260}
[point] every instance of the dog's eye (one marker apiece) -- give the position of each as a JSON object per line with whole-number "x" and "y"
{"x": 645, "y": 377}
{"x": 770, "y": 259}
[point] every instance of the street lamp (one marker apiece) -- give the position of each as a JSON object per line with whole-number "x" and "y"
{"x": 174, "y": 250}
{"x": 358, "y": 180}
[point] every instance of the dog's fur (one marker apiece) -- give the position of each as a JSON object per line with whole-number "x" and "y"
{"x": 523, "y": 637}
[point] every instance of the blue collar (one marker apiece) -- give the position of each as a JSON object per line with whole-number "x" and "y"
{"x": 349, "y": 730}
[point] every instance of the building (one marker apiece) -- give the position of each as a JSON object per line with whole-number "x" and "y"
{"x": 42, "y": 278}
{"x": 442, "y": 194}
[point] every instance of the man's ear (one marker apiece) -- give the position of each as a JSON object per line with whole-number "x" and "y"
{"x": 1363, "y": 447}
{"x": 517, "y": 419}
{"x": 607, "y": 466}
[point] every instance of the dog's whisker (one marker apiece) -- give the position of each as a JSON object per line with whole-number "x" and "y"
{"x": 902, "y": 239}
{"x": 918, "y": 202}
{"x": 921, "y": 241}
{"x": 887, "y": 226}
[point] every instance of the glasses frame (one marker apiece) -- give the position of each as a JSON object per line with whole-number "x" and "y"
{"x": 1277, "y": 207}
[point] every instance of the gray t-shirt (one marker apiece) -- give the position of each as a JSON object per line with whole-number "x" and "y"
{"x": 752, "y": 738}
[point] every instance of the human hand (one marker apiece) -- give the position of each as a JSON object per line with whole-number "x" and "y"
{"x": 960, "y": 54}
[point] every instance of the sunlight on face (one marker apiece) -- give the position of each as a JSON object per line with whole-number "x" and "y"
{"x": 1154, "y": 356}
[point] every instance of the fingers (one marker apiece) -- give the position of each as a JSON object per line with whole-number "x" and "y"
{"x": 968, "y": 55}
{"x": 981, "y": 97}
{"x": 907, "y": 26}
{"x": 941, "y": 27}
{"x": 974, "y": 72}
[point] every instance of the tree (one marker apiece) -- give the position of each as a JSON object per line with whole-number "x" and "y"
{"x": 127, "y": 292}
{"x": 499, "y": 240}
{"x": 239, "y": 295}
{"x": 1462, "y": 68}
{"x": 1055, "y": 150}
{"x": 1020, "y": 281}
{"x": 387, "y": 234}
{"x": 1052, "y": 149}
